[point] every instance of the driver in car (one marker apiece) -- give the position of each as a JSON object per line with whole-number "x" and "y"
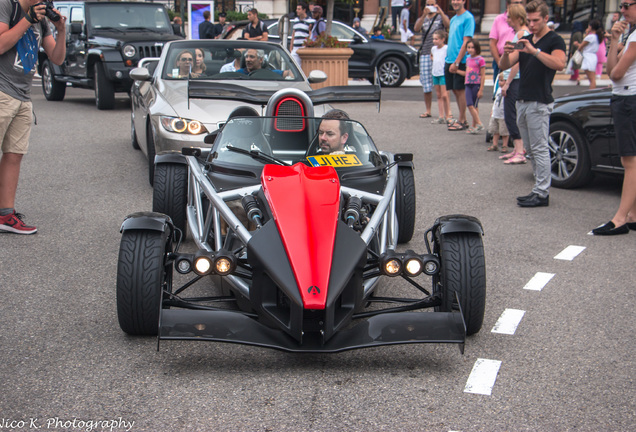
{"x": 333, "y": 133}
{"x": 254, "y": 61}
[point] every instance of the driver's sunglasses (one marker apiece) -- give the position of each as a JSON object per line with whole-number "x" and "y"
{"x": 625, "y": 5}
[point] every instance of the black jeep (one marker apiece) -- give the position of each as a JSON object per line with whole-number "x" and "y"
{"x": 104, "y": 41}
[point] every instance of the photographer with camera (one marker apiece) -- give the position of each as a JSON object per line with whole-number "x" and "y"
{"x": 24, "y": 26}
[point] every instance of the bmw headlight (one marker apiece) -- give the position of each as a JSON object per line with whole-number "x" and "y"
{"x": 180, "y": 125}
{"x": 129, "y": 51}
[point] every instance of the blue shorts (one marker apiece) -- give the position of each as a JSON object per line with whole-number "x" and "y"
{"x": 439, "y": 80}
{"x": 471, "y": 94}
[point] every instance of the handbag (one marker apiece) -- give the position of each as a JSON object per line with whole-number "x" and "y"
{"x": 577, "y": 60}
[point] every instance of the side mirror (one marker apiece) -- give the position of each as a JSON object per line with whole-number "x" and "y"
{"x": 211, "y": 137}
{"x": 357, "y": 39}
{"x": 403, "y": 157}
{"x": 140, "y": 74}
{"x": 317, "y": 76}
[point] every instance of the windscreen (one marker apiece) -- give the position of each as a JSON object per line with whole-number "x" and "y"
{"x": 201, "y": 59}
{"x": 313, "y": 141}
{"x": 120, "y": 17}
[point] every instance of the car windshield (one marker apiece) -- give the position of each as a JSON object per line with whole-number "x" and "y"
{"x": 314, "y": 141}
{"x": 219, "y": 60}
{"x": 128, "y": 17}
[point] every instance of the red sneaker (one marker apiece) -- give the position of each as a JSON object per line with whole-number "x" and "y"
{"x": 13, "y": 223}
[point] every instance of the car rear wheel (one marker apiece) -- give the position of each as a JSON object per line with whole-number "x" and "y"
{"x": 150, "y": 143}
{"x": 569, "y": 156}
{"x": 170, "y": 193}
{"x": 462, "y": 271}
{"x": 133, "y": 134}
{"x": 53, "y": 90}
{"x": 392, "y": 72}
{"x": 104, "y": 90}
{"x": 142, "y": 274}
{"x": 405, "y": 204}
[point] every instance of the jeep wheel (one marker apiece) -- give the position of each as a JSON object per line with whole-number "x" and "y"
{"x": 405, "y": 204}
{"x": 170, "y": 193}
{"x": 53, "y": 90}
{"x": 392, "y": 72}
{"x": 463, "y": 271}
{"x": 104, "y": 89}
{"x": 142, "y": 274}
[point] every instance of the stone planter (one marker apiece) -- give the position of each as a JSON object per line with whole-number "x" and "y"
{"x": 332, "y": 61}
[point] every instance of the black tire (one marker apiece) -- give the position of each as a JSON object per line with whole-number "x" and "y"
{"x": 104, "y": 89}
{"x": 569, "y": 156}
{"x": 170, "y": 193}
{"x": 150, "y": 144}
{"x": 53, "y": 90}
{"x": 405, "y": 204}
{"x": 392, "y": 72}
{"x": 463, "y": 270}
{"x": 133, "y": 135}
{"x": 141, "y": 276}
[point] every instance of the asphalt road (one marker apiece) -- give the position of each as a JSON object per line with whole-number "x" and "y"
{"x": 65, "y": 363}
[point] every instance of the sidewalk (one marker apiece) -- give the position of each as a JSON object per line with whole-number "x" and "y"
{"x": 560, "y": 79}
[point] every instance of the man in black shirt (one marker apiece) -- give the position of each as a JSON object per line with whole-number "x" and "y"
{"x": 218, "y": 28}
{"x": 256, "y": 29}
{"x": 543, "y": 54}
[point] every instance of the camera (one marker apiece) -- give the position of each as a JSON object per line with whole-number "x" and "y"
{"x": 432, "y": 8}
{"x": 50, "y": 13}
{"x": 516, "y": 45}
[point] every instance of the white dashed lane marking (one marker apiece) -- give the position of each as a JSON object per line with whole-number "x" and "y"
{"x": 508, "y": 321}
{"x": 538, "y": 281}
{"x": 569, "y": 253}
{"x": 483, "y": 377}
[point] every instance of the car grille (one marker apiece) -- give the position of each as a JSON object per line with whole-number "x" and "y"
{"x": 149, "y": 50}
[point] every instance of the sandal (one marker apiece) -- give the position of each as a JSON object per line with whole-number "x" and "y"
{"x": 471, "y": 130}
{"x": 479, "y": 127}
{"x": 504, "y": 149}
{"x": 425, "y": 115}
{"x": 440, "y": 120}
{"x": 456, "y": 126}
{"x": 493, "y": 147}
{"x": 508, "y": 155}
{"x": 516, "y": 160}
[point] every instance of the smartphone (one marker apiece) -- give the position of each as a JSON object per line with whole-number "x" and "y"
{"x": 520, "y": 45}
{"x": 432, "y": 8}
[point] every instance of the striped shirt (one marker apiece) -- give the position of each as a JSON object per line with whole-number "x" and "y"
{"x": 301, "y": 31}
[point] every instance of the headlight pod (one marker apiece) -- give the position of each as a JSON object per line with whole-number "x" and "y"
{"x": 129, "y": 51}
{"x": 410, "y": 264}
{"x": 179, "y": 125}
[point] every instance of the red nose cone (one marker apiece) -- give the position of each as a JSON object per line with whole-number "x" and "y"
{"x": 305, "y": 202}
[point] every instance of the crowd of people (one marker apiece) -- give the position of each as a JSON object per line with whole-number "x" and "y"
{"x": 527, "y": 53}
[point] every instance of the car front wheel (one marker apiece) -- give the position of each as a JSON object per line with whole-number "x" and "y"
{"x": 142, "y": 274}
{"x": 462, "y": 271}
{"x": 53, "y": 90}
{"x": 104, "y": 90}
{"x": 392, "y": 72}
{"x": 569, "y": 156}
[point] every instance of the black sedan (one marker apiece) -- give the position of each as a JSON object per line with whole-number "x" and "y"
{"x": 394, "y": 61}
{"x": 582, "y": 138}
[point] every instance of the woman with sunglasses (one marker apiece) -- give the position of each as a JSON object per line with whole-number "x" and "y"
{"x": 621, "y": 67}
{"x": 184, "y": 64}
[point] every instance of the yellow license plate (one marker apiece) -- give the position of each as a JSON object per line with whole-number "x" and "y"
{"x": 336, "y": 161}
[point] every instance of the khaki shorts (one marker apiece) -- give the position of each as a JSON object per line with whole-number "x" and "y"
{"x": 15, "y": 124}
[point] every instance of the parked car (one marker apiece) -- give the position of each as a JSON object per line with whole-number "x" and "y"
{"x": 104, "y": 41}
{"x": 171, "y": 110}
{"x": 582, "y": 138}
{"x": 394, "y": 61}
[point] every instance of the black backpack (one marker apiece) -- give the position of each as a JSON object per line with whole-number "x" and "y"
{"x": 15, "y": 13}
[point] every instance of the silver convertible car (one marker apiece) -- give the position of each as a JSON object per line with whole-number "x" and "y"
{"x": 194, "y": 87}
